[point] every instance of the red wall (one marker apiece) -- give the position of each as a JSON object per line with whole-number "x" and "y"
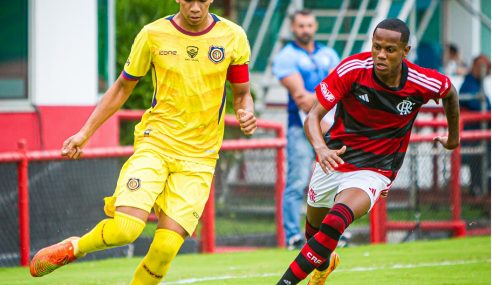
{"x": 49, "y": 126}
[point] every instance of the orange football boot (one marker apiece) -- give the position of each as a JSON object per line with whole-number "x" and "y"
{"x": 52, "y": 257}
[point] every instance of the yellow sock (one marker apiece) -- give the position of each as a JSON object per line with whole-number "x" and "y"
{"x": 155, "y": 264}
{"x": 122, "y": 229}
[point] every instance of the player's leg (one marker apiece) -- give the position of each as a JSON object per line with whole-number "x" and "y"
{"x": 179, "y": 209}
{"x": 124, "y": 228}
{"x": 300, "y": 157}
{"x": 140, "y": 182}
{"x": 320, "y": 247}
{"x": 167, "y": 241}
{"x": 314, "y": 218}
{"x": 355, "y": 197}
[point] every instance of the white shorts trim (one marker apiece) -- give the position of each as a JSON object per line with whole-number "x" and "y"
{"x": 324, "y": 187}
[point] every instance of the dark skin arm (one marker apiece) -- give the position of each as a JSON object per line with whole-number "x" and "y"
{"x": 327, "y": 158}
{"x": 452, "y": 111}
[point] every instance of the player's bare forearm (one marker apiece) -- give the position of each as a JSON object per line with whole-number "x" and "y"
{"x": 244, "y": 107}
{"x": 312, "y": 126}
{"x": 328, "y": 159}
{"x": 295, "y": 85}
{"x": 111, "y": 102}
{"x": 452, "y": 111}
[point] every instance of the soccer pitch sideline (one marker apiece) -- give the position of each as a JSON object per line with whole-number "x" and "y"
{"x": 452, "y": 261}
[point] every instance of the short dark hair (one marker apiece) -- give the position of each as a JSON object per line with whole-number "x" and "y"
{"x": 396, "y": 25}
{"x": 304, "y": 12}
{"x": 453, "y": 48}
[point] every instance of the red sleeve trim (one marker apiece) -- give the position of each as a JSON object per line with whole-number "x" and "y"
{"x": 238, "y": 73}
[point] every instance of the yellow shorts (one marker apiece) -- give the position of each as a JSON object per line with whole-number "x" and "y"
{"x": 177, "y": 187}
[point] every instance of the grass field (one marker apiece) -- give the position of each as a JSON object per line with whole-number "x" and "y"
{"x": 446, "y": 262}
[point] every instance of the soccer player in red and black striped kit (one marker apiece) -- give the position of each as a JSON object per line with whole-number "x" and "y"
{"x": 379, "y": 94}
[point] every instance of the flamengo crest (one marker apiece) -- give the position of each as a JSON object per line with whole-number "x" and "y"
{"x": 216, "y": 54}
{"x": 405, "y": 107}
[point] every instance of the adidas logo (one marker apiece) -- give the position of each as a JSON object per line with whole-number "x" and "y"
{"x": 287, "y": 282}
{"x": 364, "y": 97}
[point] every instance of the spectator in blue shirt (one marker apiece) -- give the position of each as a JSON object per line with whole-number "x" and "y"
{"x": 470, "y": 91}
{"x": 473, "y": 98}
{"x": 300, "y": 66}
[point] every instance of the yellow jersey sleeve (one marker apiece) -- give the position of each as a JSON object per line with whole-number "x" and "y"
{"x": 241, "y": 49}
{"x": 140, "y": 58}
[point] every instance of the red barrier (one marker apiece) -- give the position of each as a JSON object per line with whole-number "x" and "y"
{"x": 378, "y": 215}
{"x": 207, "y": 235}
{"x": 22, "y": 157}
{"x": 23, "y": 205}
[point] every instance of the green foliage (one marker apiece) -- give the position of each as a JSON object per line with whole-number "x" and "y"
{"x": 131, "y": 17}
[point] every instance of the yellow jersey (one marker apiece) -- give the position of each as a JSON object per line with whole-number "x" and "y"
{"x": 189, "y": 70}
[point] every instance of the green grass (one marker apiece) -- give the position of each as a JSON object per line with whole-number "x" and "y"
{"x": 444, "y": 262}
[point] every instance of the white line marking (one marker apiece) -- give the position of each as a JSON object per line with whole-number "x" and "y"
{"x": 354, "y": 269}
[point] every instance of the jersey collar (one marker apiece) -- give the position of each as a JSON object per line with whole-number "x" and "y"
{"x": 403, "y": 78}
{"x": 214, "y": 17}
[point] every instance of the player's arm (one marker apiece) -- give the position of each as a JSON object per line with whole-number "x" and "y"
{"x": 295, "y": 85}
{"x": 244, "y": 107}
{"x": 327, "y": 158}
{"x": 111, "y": 102}
{"x": 452, "y": 111}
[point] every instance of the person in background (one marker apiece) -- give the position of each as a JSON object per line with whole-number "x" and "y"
{"x": 191, "y": 54}
{"x": 474, "y": 99}
{"x": 300, "y": 66}
{"x": 378, "y": 95}
{"x": 472, "y": 96}
{"x": 453, "y": 64}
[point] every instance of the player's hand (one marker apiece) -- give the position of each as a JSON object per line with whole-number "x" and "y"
{"x": 72, "y": 147}
{"x": 329, "y": 159}
{"x": 247, "y": 121}
{"x": 447, "y": 143}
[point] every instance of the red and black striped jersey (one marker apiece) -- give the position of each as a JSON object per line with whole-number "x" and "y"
{"x": 372, "y": 119}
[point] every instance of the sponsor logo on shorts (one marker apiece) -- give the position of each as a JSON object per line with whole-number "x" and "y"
{"x": 312, "y": 195}
{"x": 196, "y": 215}
{"x": 373, "y": 191}
{"x": 133, "y": 184}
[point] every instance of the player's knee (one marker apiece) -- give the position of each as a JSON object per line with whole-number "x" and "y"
{"x": 125, "y": 237}
{"x": 165, "y": 246}
{"x": 164, "y": 253}
{"x": 126, "y": 230}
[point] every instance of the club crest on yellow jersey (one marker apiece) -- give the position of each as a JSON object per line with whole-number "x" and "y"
{"x": 133, "y": 184}
{"x": 216, "y": 54}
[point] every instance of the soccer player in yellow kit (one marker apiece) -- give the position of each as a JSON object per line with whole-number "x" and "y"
{"x": 190, "y": 54}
